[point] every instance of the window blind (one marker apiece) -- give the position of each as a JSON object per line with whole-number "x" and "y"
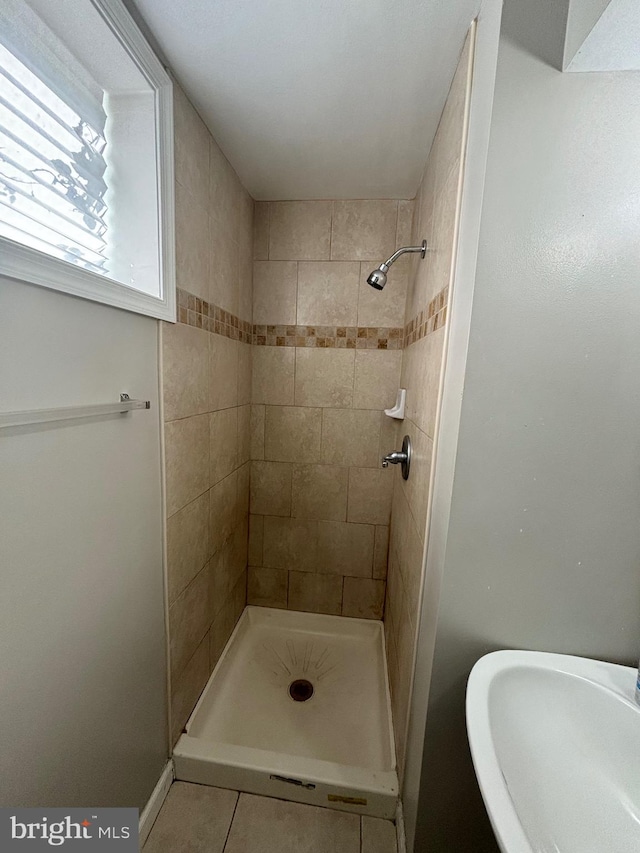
{"x": 52, "y": 145}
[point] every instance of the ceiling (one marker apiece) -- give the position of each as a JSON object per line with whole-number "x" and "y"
{"x": 316, "y": 98}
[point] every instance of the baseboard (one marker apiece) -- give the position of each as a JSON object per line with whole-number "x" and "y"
{"x": 401, "y": 839}
{"x": 154, "y": 804}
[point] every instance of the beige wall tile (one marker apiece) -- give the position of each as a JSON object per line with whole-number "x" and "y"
{"x": 345, "y": 549}
{"x": 383, "y": 307}
{"x": 363, "y": 229}
{"x": 238, "y": 551}
{"x": 290, "y": 543}
{"x": 221, "y": 580}
{"x": 244, "y": 372}
{"x": 421, "y": 365}
{"x": 416, "y": 488}
{"x": 245, "y": 256}
{"x": 320, "y": 492}
{"x": 187, "y": 687}
{"x": 186, "y": 460}
{"x": 244, "y": 435}
{"x": 292, "y": 434}
{"x": 350, "y": 437}
{"x": 221, "y": 629}
{"x": 448, "y": 141}
{"x": 261, "y": 231}
{"x": 223, "y": 372}
{"x": 187, "y": 545}
{"x": 273, "y": 375}
{"x": 185, "y": 370}
{"x": 380, "y": 552}
{"x": 257, "y": 432}
{"x": 271, "y": 488}
{"x": 244, "y": 489}
{"x": 191, "y": 148}
{"x": 256, "y": 536}
{"x": 223, "y": 510}
{"x": 299, "y": 230}
{"x": 363, "y": 598}
{"x": 315, "y": 593}
{"x": 267, "y": 587}
{"x": 377, "y": 378}
{"x": 405, "y": 221}
{"x": 328, "y": 293}
{"x": 441, "y": 255}
{"x": 369, "y": 495}
{"x": 324, "y": 377}
{"x": 275, "y": 286}
{"x": 391, "y": 433}
{"x": 225, "y": 192}
{"x": 224, "y": 276}
{"x": 223, "y": 449}
{"x": 192, "y": 243}
{"x": 189, "y": 620}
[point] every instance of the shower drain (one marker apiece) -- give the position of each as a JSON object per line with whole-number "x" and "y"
{"x": 300, "y": 690}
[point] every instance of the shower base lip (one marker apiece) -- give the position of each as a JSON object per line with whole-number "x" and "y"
{"x": 202, "y": 755}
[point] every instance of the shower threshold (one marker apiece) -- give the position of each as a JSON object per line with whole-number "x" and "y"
{"x": 297, "y": 708}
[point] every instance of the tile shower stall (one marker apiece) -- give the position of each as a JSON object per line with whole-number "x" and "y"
{"x": 294, "y": 559}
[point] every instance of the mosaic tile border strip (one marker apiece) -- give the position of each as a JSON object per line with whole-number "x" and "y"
{"x": 329, "y": 337}
{"x": 197, "y": 312}
{"x": 429, "y": 320}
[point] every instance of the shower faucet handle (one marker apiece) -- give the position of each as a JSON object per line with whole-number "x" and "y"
{"x": 400, "y": 457}
{"x": 394, "y": 458}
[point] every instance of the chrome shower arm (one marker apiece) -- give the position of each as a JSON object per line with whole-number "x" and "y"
{"x": 422, "y": 249}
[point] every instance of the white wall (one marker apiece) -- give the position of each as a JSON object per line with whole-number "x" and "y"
{"x": 82, "y": 669}
{"x": 543, "y": 548}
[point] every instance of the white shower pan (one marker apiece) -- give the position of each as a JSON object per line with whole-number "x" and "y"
{"x": 255, "y": 730}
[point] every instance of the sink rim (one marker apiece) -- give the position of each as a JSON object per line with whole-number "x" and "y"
{"x": 500, "y": 807}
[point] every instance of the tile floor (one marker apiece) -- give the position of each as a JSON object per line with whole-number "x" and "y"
{"x": 200, "y": 819}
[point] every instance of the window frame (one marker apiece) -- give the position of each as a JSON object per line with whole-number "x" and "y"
{"x": 32, "y": 266}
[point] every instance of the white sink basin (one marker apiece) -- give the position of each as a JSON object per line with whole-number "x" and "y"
{"x": 555, "y": 742}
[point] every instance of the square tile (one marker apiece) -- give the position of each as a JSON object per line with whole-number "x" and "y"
{"x": 193, "y": 818}
{"x": 381, "y": 552}
{"x": 324, "y": 377}
{"x": 191, "y": 148}
{"x": 363, "y": 598}
{"x": 271, "y": 488}
{"x": 383, "y": 307}
{"x": 189, "y": 619}
{"x": 256, "y": 537}
{"x": 245, "y": 357}
{"x": 258, "y": 418}
{"x": 261, "y": 231}
{"x": 315, "y": 593}
{"x": 292, "y": 434}
{"x": 377, "y": 378}
{"x": 275, "y": 285}
{"x": 223, "y": 511}
{"x": 350, "y": 437}
{"x": 273, "y": 375}
{"x": 187, "y": 545}
{"x": 327, "y": 293}
{"x": 187, "y": 687}
{"x": 345, "y": 549}
{"x": 192, "y": 243}
{"x": 299, "y": 230}
{"x": 223, "y": 451}
{"x": 370, "y": 491}
{"x": 319, "y": 492}
{"x": 363, "y": 229}
{"x": 290, "y": 543}
{"x": 244, "y": 435}
{"x": 223, "y": 372}
{"x": 267, "y": 587}
{"x": 185, "y": 370}
{"x": 186, "y": 460}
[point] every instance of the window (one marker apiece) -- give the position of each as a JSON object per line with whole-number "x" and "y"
{"x": 86, "y": 155}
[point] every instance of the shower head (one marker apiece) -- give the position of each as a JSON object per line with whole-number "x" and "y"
{"x": 378, "y": 278}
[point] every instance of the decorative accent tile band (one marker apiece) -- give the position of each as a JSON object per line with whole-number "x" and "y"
{"x": 197, "y": 312}
{"x": 428, "y": 321}
{"x": 329, "y": 337}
